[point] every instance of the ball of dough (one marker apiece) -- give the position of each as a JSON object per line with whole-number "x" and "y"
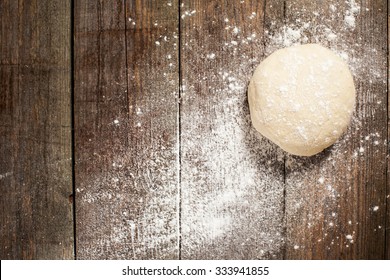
{"x": 302, "y": 98}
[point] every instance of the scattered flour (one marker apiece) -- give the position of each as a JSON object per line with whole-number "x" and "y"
{"x": 188, "y": 14}
{"x": 351, "y": 13}
{"x": 277, "y": 36}
{"x": 226, "y": 183}
{"x": 5, "y": 175}
{"x": 349, "y": 21}
{"x": 211, "y": 56}
{"x": 229, "y": 190}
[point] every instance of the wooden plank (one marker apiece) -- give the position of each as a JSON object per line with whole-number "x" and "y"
{"x": 336, "y": 201}
{"x": 35, "y": 134}
{"x": 126, "y": 84}
{"x": 231, "y": 178}
{"x": 387, "y": 227}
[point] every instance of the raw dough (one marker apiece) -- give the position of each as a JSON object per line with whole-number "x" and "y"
{"x": 302, "y": 98}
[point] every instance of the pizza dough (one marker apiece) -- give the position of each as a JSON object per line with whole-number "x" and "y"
{"x": 302, "y": 98}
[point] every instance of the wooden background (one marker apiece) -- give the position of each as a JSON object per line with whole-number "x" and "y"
{"x": 125, "y": 133}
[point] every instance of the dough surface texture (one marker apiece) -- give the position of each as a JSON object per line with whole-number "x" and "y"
{"x": 302, "y": 98}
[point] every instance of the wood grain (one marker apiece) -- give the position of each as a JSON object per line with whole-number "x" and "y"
{"x": 35, "y": 134}
{"x": 126, "y": 141}
{"x": 387, "y": 227}
{"x": 231, "y": 179}
{"x": 336, "y": 201}
{"x": 167, "y": 163}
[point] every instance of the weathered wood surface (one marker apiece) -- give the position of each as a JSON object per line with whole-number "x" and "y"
{"x": 126, "y": 130}
{"x": 231, "y": 179}
{"x": 387, "y": 227}
{"x": 336, "y": 201}
{"x": 167, "y": 164}
{"x": 36, "y": 220}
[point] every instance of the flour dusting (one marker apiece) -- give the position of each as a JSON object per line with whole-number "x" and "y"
{"x": 228, "y": 151}
{"x": 228, "y": 189}
{"x": 5, "y": 175}
{"x": 219, "y": 187}
{"x": 351, "y": 13}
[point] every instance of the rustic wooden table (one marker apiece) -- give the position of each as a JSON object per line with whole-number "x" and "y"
{"x": 125, "y": 133}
